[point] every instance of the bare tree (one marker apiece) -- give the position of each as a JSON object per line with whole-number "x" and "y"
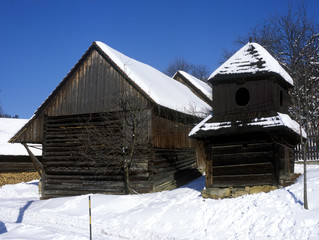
{"x": 177, "y": 64}
{"x": 200, "y": 71}
{"x": 113, "y": 140}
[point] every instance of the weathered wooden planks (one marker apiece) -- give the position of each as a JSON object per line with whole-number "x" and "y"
{"x": 69, "y": 170}
{"x": 241, "y": 165}
{"x": 73, "y": 156}
{"x": 15, "y": 164}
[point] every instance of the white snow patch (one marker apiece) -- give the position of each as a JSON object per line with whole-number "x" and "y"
{"x": 292, "y": 124}
{"x": 177, "y": 214}
{"x": 8, "y": 127}
{"x": 200, "y": 125}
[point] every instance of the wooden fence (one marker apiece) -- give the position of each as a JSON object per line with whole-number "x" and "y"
{"x": 313, "y": 149}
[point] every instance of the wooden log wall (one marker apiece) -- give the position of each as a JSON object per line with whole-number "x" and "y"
{"x": 284, "y": 157}
{"x": 16, "y": 164}
{"x": 241, "y": 165}
{"x": 168, "y": 134}
{"x": 173, "y": 168}
{"x": 71, "y": 168}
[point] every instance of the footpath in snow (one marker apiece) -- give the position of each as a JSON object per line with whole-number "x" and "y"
{"x": 177, "y": 214}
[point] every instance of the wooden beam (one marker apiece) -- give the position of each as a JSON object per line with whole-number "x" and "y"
{"x": 37, "y": 164}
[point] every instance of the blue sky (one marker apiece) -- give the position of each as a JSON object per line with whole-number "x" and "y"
{"x": 41, "y": 40}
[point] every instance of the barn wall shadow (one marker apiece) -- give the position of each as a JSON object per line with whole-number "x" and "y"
{"x": 190, "y": 178}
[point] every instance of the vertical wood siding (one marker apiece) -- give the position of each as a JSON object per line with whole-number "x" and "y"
{"x": 170, "y": 134}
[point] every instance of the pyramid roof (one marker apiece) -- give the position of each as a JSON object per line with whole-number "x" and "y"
{"x": 251, "y": 60}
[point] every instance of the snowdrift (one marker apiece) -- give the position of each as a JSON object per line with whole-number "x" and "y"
{"x": 177, "y": 214}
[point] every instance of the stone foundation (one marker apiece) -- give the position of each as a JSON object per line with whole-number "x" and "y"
{"x": 231, "y": 192}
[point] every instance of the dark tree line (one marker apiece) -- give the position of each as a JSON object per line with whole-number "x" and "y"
{"x": 200, "y": 71}
{"x": 4, "y": 115}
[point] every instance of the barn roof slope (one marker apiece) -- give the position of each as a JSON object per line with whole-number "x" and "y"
{"x": 159, "y": 87}
{"x": 250, "y": 59}
{"x": 197, "y": 83}
{"x": 8, "y": 127}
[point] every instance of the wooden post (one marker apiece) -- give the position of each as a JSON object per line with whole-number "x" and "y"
{"x": 90, "y": 217}
{"x": 37, "y": 164}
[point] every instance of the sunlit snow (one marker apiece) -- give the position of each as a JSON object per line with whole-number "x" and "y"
{"x": 8, "y": 127}
{"x": 177, "y": 214}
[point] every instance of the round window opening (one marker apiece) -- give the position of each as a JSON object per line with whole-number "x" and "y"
{"x": 242, "y": 96}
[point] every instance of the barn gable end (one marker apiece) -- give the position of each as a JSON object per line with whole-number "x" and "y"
{"x": 93, "y": 85}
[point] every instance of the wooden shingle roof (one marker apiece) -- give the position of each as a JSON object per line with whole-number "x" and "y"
{"x": 251, "y": 60}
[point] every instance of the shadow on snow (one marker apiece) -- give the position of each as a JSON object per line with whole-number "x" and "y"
{"x": 22, "y": 211}
{"x": 3, "y": 228}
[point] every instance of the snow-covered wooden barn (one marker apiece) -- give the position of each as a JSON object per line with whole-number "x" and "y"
{"x": 202, "y": 89}
{"x": 13, "y": 157}
{"x": 249, "y": 137}
{"x": 86, "y": 126}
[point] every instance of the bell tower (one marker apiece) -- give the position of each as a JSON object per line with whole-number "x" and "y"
{"x": 250, "y": 84}
{"x": 250, "y": 137}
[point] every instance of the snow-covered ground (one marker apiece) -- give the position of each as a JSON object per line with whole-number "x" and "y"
{"x": 8, "y": 127}
{"x": 177, "y": 214}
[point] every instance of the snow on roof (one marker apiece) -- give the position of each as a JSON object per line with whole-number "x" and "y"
{"x": 200, "y": 125}
{"x": 159, "y": 87}
{"x": 265, "y": 122}
{"x": 199, "y": 84}
{"x": 8, "y": 127}
{"x": 251, "y": 59}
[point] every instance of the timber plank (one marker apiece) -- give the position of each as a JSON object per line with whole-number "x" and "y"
{"x": 243, "y": 148}
{"x": 237, "y": 169}
{"x": 242, "y": 158}
{"x": 243, "y": 180}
